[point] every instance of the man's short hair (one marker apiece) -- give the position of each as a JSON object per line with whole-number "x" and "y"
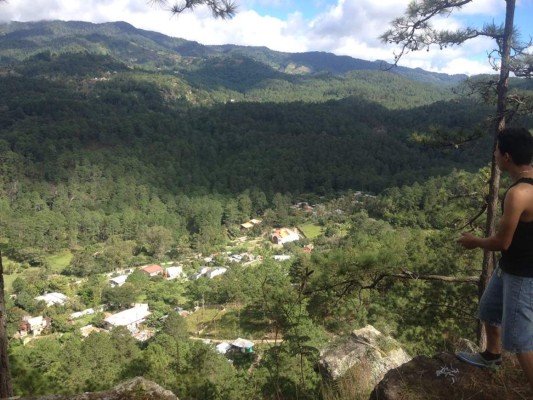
{"x": 518, "y": 143}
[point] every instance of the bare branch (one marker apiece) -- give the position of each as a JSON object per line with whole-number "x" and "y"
{"x": 473, "y": 219}
{"x": 443, "y": 138}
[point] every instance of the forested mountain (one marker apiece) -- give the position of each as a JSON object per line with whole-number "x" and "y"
{"x": 150, "y": 49}
{"x": 185, "y": 117}
{"x": 84, "y": 114}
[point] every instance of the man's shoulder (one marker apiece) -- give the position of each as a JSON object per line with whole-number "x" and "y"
{"x": 521, "y": 191}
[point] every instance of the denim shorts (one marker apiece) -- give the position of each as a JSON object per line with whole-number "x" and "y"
{"x": 508, "y": 302}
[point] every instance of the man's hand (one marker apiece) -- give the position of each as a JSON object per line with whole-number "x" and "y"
{"x": 468, "y": 241}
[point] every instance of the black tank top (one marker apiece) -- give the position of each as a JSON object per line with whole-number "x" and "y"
{"x": 518, "y": 258}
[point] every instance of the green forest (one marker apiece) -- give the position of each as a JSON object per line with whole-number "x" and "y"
{"x": 111, "y": 159}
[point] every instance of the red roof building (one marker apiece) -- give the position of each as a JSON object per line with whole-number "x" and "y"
{"x": 152, "y": 270}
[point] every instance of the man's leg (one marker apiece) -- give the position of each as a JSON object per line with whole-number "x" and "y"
{"x": 494, "y": 338}
{"x": 526, "y": 362}
{"x": 490, "y": 312}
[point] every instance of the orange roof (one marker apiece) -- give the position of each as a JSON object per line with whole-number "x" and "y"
{"x": 282, "y": 232}
{"x": 152, "y": 268}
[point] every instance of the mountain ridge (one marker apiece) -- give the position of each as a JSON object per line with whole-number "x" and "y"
{"x": 18, "y": 39}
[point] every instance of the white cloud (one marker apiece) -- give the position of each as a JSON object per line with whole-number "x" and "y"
{"x": 484, "y": 7}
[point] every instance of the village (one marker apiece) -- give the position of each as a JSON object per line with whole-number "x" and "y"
{"x": 143, "y": 321}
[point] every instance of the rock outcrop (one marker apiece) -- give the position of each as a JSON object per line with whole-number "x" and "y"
{"x": 445, "y": 377}
{"x": 366, "y": 349}
{"x": 134, "y": 389}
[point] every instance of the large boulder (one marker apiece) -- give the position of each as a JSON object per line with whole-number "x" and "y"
{"x": 366, "y": 350}
{"x": 134, "y": 389}
{"x": 445, "y": 377}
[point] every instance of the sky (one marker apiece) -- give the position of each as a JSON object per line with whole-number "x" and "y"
{"x": 342, "y": 27}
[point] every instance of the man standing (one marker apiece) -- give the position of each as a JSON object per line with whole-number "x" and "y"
{"x": 506, "y": 306}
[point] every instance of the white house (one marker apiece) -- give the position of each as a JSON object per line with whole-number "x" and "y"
{"x": 236, "y": 257}
{"x": 223, "y": 347}
{"x": 52, "y": 298}
{"x": 118, "y": 280}
{"x": 216, "y": 271}
{"x": 209, "y": 272}
{"x": 243, "y": 345}
{"x": 284, "y": 235}
{"x": 282, "y": 257}
{"x": 173, "y": 272}
{"x": 80, "y": 314}
{"x": 36, "y": 325}
{"x": 130, "y": 318}
{"x": 203, "y": 270}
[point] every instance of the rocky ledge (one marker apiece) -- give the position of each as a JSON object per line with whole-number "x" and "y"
{"x": 445, "y": 377}
{"x": 134, "y": 389}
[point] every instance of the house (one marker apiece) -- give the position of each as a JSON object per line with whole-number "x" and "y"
{"x": 152, "y": 270}
{"x": 250, "y": 224}
{"x": 223, "y": 347}
{"x": 209, "y": 272}
{"x": 282, "y": 257}
{"x": 247, "y": 225}
{"x": 88, "y": 311}
{"x": 284, "y": 235}
{"x": 52, "y": 299}
{"x": 309, "y": 248}
{"x": 201, "y": 272}
{"x": 173, "y": 272}
{"x": 130, "y": 318}
{"x": 118, "y": 280}
{"x": 216, "y": 271}
{"x": 236, "y": 257}
{"x": 243, "y": 345}
{"x": 35, "y": 325}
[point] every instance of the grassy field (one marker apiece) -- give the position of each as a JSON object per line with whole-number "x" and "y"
{"x": 311, "y": 230}
{"x": 197, "y": 321}
{"x": 59, "y": 261}
{"x": 8, "y": 279}
{"x": 229, "y": 323}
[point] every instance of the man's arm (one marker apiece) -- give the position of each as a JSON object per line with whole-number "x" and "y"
{"x": 515, "y": 204}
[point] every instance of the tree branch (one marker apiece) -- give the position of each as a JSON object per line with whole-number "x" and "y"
{"x": 220, "y": 8}
{"x": 414, "y": 32}
{"x": 351, "y": 283}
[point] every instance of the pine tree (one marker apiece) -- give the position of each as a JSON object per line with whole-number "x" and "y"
{"x": 414, "y": 32}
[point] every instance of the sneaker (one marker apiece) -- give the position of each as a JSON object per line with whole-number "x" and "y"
{"x": 478, "y": 360}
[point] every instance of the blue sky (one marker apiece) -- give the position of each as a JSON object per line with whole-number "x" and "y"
{"x": 343, "y": 27}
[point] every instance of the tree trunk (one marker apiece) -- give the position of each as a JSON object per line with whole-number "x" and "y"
{"x": 5, "y": 376}
{"x": 499, "y": 124}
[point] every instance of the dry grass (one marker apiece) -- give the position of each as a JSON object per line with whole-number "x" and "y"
{"x": 355, "y": 385}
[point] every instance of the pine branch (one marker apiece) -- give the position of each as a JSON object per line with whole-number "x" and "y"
{"x": 414, "y": 32}
{"x": 220, "y": 8}
{"x": 350, "y": 284}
